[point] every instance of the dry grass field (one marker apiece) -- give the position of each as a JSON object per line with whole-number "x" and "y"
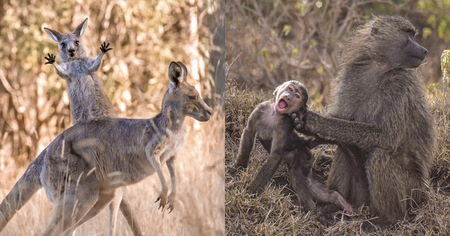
{"x": 200, "y": 201}
{"x": 269, "y": 42}
{"x": 276, "y": 210}
{"x": 146, "y": 36}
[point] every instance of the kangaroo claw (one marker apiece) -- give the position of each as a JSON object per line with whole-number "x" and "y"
{"x": 104, "y": 47}
{"x": 50, "y": 59}
{"x": 162, "y": 200}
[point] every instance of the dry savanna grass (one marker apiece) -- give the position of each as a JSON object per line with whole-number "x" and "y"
{"x": 199, "y": 208}
{"x": 277, "y": 212}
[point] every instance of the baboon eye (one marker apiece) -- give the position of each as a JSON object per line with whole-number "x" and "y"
{"x": 63, "y": 45}
{"x": 290, "y": 89}
{"x": 411, "y": 33}
{"x": 297, "y": 95}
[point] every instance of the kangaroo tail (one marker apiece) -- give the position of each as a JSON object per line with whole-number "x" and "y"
{"x": 22, "y": 191}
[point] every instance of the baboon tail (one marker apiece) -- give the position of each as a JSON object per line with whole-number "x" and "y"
{"x": 22, "y": 191}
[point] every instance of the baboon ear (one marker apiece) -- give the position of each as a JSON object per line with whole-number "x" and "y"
{"x": 276, "y": 89}
{"x": 56, "y": 36}
{"x": 79, "y": 31}
{"x": 176, "y": 73}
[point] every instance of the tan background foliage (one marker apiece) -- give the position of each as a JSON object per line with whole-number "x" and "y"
{"x": 270, "y": 42}
{"x": 145, "y": 36}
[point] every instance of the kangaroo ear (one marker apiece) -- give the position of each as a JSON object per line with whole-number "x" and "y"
{"x": 79, "y": 31}
{"x": 175, "y": 73}
{"x": 183, "y": 67}
{"x": 56, "y": 36}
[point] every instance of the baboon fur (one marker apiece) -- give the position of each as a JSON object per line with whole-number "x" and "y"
{"x": 380, "y": 120}
{"x": 269, "y": 123}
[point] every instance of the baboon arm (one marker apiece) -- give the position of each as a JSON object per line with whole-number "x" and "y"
{"x": 61, "y": 71}
{"x": 95, "y": 64}
{"x": 267, "y": 171}
{"x": 247, "y": 142}
{"x": 339, "y": 131}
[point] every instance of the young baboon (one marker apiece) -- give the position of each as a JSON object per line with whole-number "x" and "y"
{"x": 380, "y": 120}
{"x": 270, "y": 122}
{"x": 87, "y": 100}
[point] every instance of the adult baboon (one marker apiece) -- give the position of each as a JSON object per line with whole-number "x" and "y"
{"x": 380, "y": 120}
{"x": 270, "y": 122}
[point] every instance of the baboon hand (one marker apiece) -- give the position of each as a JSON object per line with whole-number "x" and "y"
{"x": 105, "y": 47}
{"x": 163, "y": 200}
{"x": 298, "y": 119}
{"x": 50, "y": 59}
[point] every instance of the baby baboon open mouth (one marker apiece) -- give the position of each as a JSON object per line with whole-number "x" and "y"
{"x": 282, "y": 106}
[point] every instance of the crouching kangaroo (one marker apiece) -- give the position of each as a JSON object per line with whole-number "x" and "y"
{"x": 86, "y": 163}
{"x": 88, "y": 100}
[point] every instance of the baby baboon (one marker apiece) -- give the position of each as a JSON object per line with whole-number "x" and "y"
{"x": 380, "y": 120}
{"x": 270, "y": 123}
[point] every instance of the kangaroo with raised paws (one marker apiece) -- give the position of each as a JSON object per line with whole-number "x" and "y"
{"x": 88, "y": 101}
{"x": 87, "y": 98}
{"x": 93, "y": 158}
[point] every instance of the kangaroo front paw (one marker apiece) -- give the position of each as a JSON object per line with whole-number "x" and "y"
{"x": 105, "y": 47}
{"x": 163, "y": 200}
{"x": 50, "y": 59}
{"x": 171, "y": 202}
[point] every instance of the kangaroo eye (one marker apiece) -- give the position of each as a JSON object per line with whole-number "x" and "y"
{"x": 192, "y": 97}
{"x": 76, "y": 43}
{"x": 63, "y": 45}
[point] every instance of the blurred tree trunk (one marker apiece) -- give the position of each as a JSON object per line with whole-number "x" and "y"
{"x": 194, "y": 42}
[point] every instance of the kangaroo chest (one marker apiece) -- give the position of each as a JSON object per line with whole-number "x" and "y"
{"x": 169, "y": 145}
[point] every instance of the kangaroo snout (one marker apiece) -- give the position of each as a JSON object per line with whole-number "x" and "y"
{"x": 205, "y": 113}
{"x": 71, "y": 52}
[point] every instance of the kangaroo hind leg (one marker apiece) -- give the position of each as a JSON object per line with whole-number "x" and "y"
{"x": 73, "y": 204}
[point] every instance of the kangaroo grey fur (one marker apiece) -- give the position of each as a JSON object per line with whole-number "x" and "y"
{"x": 87, "y": 101}
{"x": 103, "y": 154}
